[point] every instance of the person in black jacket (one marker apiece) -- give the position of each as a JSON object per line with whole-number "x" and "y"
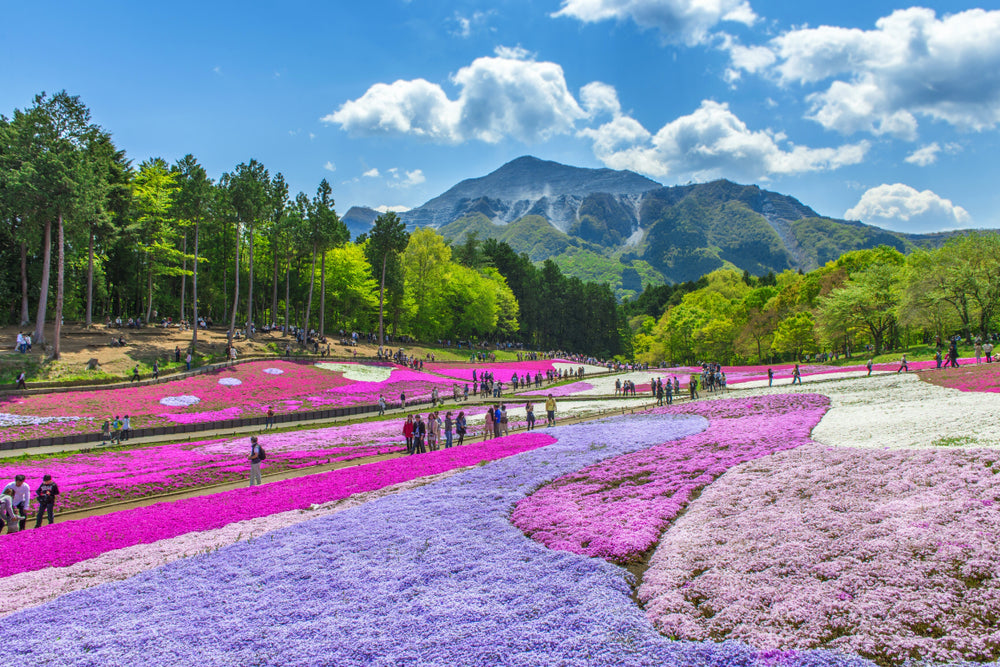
{"x": 46, "y": 494}
{"x": 419, "y": 433}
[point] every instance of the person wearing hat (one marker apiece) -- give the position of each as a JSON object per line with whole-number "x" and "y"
{"x": 20, "y": 498}
{"x": 46, "y": 493}
{"x": 256, "y": 456}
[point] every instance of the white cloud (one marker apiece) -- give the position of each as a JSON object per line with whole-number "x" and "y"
{"x": 330, "y": 166}
{"x": 600, "y": 98}
{"x": 710, "y": 143}
{"x": 407, "y": 180}
{"x": 912, "y": 64}
{"x": 371, "y": 173}
{"x": 499, "y": 97}
{"x": 679, "y": 21}
{"x": 924, "y": 155}
{"x": 394, "y": 209}
{"x": 898, "y": 203}
{"x": 217, "y": 69}
{"x": 466, "y": 25}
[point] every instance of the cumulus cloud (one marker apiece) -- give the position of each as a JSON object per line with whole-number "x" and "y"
{"x": 712, "y": 142}
{"x": 924, "y": 155}
{"x": 394, "y": 209}
{"x": 330, "y": 166}
{"x": 508, "y": 95}
{"x": 466, "y": 25}
{"x": 679, "y": 21}
{"x": 905, "y": 208}
{"x": 912, "y": 64}
{"x": 407, "y": 179}
{"x": 600, "y": 98}
{"x": 371, "y": 173}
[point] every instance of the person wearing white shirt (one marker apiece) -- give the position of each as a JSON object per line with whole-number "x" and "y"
{"x": 22, "y": 497}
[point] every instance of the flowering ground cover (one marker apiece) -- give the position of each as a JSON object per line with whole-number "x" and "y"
{"x": 970, "y": 377}
{"x": 436, "y": 575}
{"x": 890, "y": 554}
{"x": 66, "y": 543}
{"x": 227, "y": 393}
{"x": 617, "y": 509}
{"x": 504, "y": 370}
{"x": 570, "y": 389}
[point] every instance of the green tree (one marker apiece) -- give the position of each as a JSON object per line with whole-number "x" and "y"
{"x": 795, "y": 335}
{"x": 153, "y": 189}
{"x": 385, "y": 242}
{"x": 192, "y": 202}
{"x": 867, "y": 300}
{"x": 249, "y": 190}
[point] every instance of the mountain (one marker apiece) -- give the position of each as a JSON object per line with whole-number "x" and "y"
{"x": 359, "y": 219}
{"x": 529, "y": 186}
{"x": 629, "y": 231}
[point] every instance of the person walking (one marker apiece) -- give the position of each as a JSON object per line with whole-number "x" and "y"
{"x": 116, "y": 430}
{"x": 449, "y": 426}
{"x": 135, "y": 374}
{"x": 770, "y": 377}
{"x": 46, "y": 495}
{"x": 550, "y": 411}
{"x": 461, "y": 426}
{"x": 868, "y": 365}
{"x": 187, "y": 360}
{"x": 269, "y": 418}
{"x": 433, "y": 430}
{"x": 20, "y": 498}
{"x": 402, "y": 401}
{"x": 902, "y": 365}
{"x": 256, "y": 456}
{"x": 529, "y": 412}
{"x": 408, "y": 433}
{"x": 22, "y": 376}
{"x": 668, "y": 390}
{"x": 796, "y": 375}
{"x": 156, "y": 368}
{"x": 488, "y": 429}
{"x": 126, "y": 428}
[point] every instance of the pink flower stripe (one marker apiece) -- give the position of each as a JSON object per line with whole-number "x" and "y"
{"x": 563, "y": 390}
{"x": 618, "y": 508}
{"x": 66, "y": 543}
{"x": 890, "y": 554}
{"x": 977, "y": 378}
{"x": 502, "y": 370}
{"x": 95, "y": 478}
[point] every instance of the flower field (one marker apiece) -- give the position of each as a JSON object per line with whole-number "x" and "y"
{"x": 849, "y": 522}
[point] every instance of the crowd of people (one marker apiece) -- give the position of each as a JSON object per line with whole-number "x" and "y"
{"x": 15, "y": 502}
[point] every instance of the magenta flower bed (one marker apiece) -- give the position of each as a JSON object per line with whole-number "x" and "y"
{"x": 562, "y": 390}
{"x": 73, "y": 541}
{"x": 976, "y": 378}
{"x": 889, "y": 554}
{"x": 617, "y": 509}
{"x": 502, "y": 370}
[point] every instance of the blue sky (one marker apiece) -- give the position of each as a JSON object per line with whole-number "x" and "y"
{"x": 881, "y": 111}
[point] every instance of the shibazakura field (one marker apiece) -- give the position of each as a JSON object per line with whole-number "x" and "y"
{"x": 847, "y": 521}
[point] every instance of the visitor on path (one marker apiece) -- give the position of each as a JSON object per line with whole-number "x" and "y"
{"x": 20, "y": 498}
{"x": 693, "y": 387}
{"x": 256, "y": 456}
{"x": 988, "y": 350}
{"x": 953, "y": 354}
{"x": 381, "y": 405}
{"x": 402, "y": 401}
{"x": 868, "y": 365}
{"x": 902, "y": 365}
{"x": 668, "y": 388}
{"x": 465, "y": 394}
{"x": 46, "y": 494}
{"x": 433, "y": 429}
{"x": 979, "y": 352}
{"x": 22, "y": 376}
{"x": 488, "y": 429}
{"x": 770, "y": 377}
{"x": 135, "y": 374}
{"x": 550, "y": 411}
{"x": 116, "y": 430}
{"x": 419, "y": 433}
{"x": 503, "y": 419}
{"x": 8, "y": 514}
{"x": 232, "y": 354}
{"x": 796, "y": 375}
{"x": 408, "y": 433}
{"x": 449, "y": 427}
{"x": 529, "y": 410}
{"x": 106, "y": 430}
{"x": 269, "y": 419}
{"x": 938, "y": 359}
{"x": 126, "y": 428}
{"x": 177, "y": 354}
{"x": 187, "y": 360}
{"x": 156, "y": 369}
{"x": 461, "y": 426}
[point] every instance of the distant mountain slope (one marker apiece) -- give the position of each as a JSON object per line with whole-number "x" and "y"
{"x": 359, "y": 220}
{"x": 630, "y": 231}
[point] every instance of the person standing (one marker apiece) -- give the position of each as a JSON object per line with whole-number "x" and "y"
{"x": 988, "y": 350}
{"x": 408, "y": 433}
{"x": 529, "y": 411}
{"x": 116, "y": 430}
{"x": 46, "y": 494}
{"x": 868, "y": 365}
{"x": 433, "y": 430}
{"x": 461, "y": 426}
{"x": 177, "y": 354}
{"x": 187, "y": 360}
{"x": 156, "y": 368}
{"x": 22, "y": 376}
{"x": 449, "y": 426}
{"x": 503, "y": 419}
{"x": 381, "y": 405}
{"x": 770, "y": 377}
{"x": 419, "y": 433}
{"x": 106, "y": 430}
{"x": 402, "y": 401}
{"x": 126, "y": 428}
{"x": 497, "y": 414}
{"x": 20, "y": 498}
{"x": 979, "y": 352}
{"x": 269, "y": 419}
{"x": 488, "y": 429}
{"x": 669, "y": 391}
{"x": 550, "y": 411}
{"x": 256, "y": 456}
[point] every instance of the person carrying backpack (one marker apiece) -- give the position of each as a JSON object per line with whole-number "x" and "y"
{"x": 256, "y": 456}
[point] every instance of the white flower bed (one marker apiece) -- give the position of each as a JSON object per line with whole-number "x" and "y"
{"x": 179, "y": 401}
{"x": 230, "y": 382}
{"x": 899, "y": 411}
{"x": 273, "y": 371}
{"x": 8, "y": 419}
{"x": 358, "y": 372}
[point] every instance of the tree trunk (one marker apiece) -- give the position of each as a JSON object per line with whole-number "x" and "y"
{"x": 288, "y": 273}
{"x": 236, "y": 288}
{"x": 25, "y": 315}
{"x": 60, "y": 274}
{"x": 322, "y": 295}
{"x": 309, "y": 303}
{"x": 250, "y": 289}
{"x": 90, "y": 279}
{"x": 149, "y": 289}
{"x": 43, "y": 298}
{"x": 381, "y": 299}
{"x": 194, "y": 292}
{"x": 184, "y": 266}
{"x": 274, "y": 291}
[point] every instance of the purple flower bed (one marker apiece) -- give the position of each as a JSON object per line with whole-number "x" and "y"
{"x": 70, "y": 542}
{"x": 617, "y": 509}
{"x": 432, "y": 576}
{"x": 885, "y": 553}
